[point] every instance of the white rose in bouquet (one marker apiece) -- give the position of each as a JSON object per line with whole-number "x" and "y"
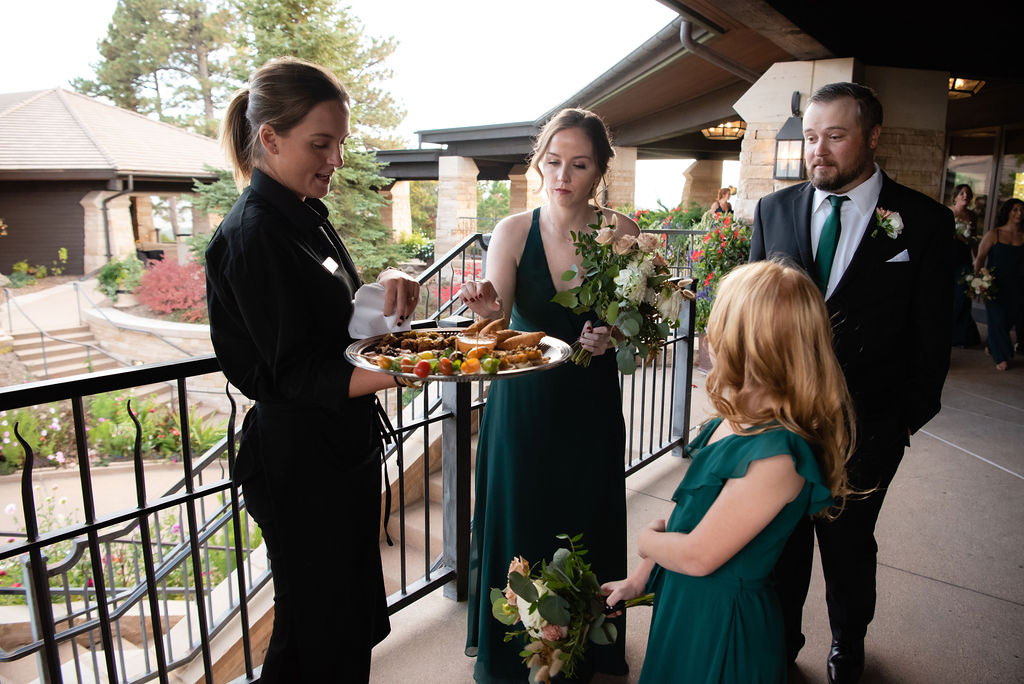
{"x": 532, "y": 620}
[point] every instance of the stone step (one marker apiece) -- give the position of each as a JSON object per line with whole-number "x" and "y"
{"x": 76, "y": 368}
{"x": 70, "y": 356}
{"x": 60, "y": 332}
{"x": 35, "y": 351}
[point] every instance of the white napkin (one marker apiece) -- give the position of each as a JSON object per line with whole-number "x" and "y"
{"x": 368, "y": 319}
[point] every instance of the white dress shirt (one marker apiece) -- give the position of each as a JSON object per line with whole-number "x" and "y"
{"x": 855, "y": 217}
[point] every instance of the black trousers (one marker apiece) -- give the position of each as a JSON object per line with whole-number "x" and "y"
{"x": 847, "y": 547}
{"x": 329, "y": 603}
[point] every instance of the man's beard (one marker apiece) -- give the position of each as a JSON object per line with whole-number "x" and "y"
{"x": 841, "y": 178}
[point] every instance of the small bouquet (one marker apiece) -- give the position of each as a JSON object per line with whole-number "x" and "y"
{"x": 963, "y": 232}
{"x": 561, "y": 608}
{"x": 627, "y": 283}
{"x": 981, "y": 284}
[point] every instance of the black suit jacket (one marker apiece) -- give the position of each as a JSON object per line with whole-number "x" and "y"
{"x": 890, "y": 320}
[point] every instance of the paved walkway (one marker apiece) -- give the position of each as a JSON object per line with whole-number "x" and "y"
{"x": 951, "y": 556}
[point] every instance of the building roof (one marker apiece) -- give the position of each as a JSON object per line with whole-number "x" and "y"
{"x": 60, "y": 135}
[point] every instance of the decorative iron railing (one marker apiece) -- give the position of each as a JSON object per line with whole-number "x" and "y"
{"x": 139, "y": 592}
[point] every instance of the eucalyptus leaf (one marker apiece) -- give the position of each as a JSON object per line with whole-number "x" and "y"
{"x": 612, "y": 313}
{"x": 626, "y": 360}
{"x": 523, "y": 587}
{"x": 554, "y": 609}
{"x": 567, "y": 298}
{"x": 559, "y": 558}
{"x": 505, "y": 618}
{"x": 604, "y": 633}
{"x": 570, "y": 273}
{"x": 629, "y": 323}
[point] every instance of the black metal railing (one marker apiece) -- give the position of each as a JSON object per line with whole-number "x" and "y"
{"x": 135, "y": 594}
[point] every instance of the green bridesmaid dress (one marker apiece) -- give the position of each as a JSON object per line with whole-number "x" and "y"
{"x": 727, "y": 627}
{"x": 550, "y": 459}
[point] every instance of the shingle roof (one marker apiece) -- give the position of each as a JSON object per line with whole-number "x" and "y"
{"x": 61, "y": 132}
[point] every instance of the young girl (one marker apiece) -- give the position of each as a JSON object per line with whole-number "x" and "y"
{"x": 774, "y": 454}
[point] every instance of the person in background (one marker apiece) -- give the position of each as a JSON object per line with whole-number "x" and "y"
{"x": 721, "y": 205}
{"x": 773, "y": 455}
{"x": 551, "y": 452}
{"x": 1002, "y": 251}
{"x": 880, "y": 253}
{"x": 965, "y": 237}
{"x": 280, "y": 285}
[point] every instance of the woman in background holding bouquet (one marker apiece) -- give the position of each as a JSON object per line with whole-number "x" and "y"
{"x": 551, "y": 447}
{"x": 774, "y": 454}
{"x": 965, "y": 330}
{"x": 1002, "y": 250}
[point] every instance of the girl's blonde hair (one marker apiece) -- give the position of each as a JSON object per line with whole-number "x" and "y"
{"x": 594, "y": 128}
{"x": 280, "y": 94}
{"x": 770, "y": 333}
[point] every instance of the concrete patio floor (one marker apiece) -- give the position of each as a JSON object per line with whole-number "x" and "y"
{"x": 951, "y": 556}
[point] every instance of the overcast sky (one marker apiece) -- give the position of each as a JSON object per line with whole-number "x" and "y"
{"x": 458, "y": 62}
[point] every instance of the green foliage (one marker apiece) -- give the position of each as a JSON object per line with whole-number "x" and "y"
{"x": 120, "y": 275}
{"x": 665, "y": 218}
{"x": 216, "y": 197}
{"x": 197, "y": 243}
{"x": 417, "y": 246}
{"x": 423, "y": 207}
{"x": 725, "y": 246}
{"x": 492, "y": 201}
{"x": 165, "y": 57}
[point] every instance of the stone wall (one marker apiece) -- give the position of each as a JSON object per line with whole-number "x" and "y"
{"x": 621, "y": 178}
{"x": 703, "y": 181}
{"x": 915, "y": 158}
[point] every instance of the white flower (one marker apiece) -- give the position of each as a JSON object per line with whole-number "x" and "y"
{"x": 648, "y": 242}
{"x": 10, "y": 509}
{"x": 670, "y": 304}
{"x": 604, "y": 236}
{"x": 532, "y": 620}
{"x": 630, "y": 285}
{"x": 889, "y": 221}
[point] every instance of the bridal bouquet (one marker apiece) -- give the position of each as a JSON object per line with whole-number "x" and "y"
{"x": 981, "y": 284}
{"x": 627, "y": 283}
{"x": 561, "y": 608}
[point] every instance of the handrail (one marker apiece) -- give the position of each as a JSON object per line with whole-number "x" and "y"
{"x": 44, "y": 334}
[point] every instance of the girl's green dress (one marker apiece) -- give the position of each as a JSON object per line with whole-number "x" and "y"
{"x": 550, "y": 460}
{"x": 727, "y": 626}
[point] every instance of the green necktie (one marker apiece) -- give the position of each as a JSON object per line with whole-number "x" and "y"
{"x": 828, "y": 241}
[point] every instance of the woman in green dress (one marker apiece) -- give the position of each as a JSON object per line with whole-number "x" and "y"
{"x": 550, "y": 456}
{"x": 774, "y": 454}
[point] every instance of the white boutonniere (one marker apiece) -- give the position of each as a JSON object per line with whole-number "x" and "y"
{"x": 889, "y": 221}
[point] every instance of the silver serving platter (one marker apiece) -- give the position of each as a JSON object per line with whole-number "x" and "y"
{"x": 556, "y": 351}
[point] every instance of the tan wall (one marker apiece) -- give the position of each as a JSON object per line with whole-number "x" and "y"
{"x": 703, "y": 181}
{"x": 621, "y": 178}
{"x": 525, "y": 189}
{"x": 397, "y": 213}
{"x": 456, "y": 199}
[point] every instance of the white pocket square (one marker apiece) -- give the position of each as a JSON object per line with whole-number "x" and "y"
{"x": 902, "y": 256}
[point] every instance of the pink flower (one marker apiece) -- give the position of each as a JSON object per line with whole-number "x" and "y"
{"x": 624, "y": 244}
{"x": 648, "y": 242}
{"x": 604, "y": 236}
{"x": 554, "y": 632}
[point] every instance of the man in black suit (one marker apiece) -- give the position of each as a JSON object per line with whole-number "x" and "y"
{"x": 886, "y": 283}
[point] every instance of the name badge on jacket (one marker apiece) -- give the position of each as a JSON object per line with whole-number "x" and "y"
{"x": 330, "y": 264}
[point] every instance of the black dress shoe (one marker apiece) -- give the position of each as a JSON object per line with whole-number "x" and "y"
{"x": 845, "y": 661}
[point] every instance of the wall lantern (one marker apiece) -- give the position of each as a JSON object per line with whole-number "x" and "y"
{"x": 959, "y": 88}
{"x": 789, "y": 145}
{"x": 728, "y": 130}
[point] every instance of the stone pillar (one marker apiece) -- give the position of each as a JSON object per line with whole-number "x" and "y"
{"x": 397, "y": 212}
{"x": 119, "y": 228}
{"x": 144, "y": 219}
{"x": 621, "y": 178}
{"x": 911, "y": 146}
{"x": 456, "y": 201}
{"x": 703, "y": 181}
{"x": 525, "y": 189}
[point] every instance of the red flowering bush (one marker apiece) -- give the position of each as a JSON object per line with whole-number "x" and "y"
{"x": 725, "y": 246}
{"x": 178, "y": 290}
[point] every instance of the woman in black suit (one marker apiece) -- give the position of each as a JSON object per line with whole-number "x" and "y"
{"x": 280, "y": 285}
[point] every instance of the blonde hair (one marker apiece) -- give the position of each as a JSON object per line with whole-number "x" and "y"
{"x": 280, "y": 94}
{"x": 594, "y": 128}
{"x": 769, "y": 329}
{"x": 723, "y": 192}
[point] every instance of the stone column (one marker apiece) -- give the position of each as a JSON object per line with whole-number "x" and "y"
{"x": 525, "y": 189}
{"x": 119, "y": 228}
{"x": 703, "y": 181}
{"x": 456, "y": 201}
{"x": 397, "y": 213}
{"x": 621, "y": 178}
{"x": 144, "y": 219}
